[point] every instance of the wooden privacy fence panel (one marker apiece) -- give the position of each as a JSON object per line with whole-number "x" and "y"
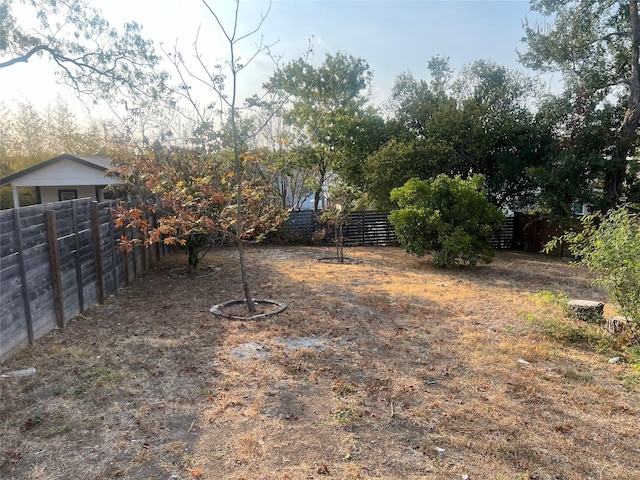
{"x": 364, "y": 228}
{"x": 373, "y": 228}
{"x": 56, "y": 261}
{"x": 531, "y": 233}
{"x": 26, "y": 289}
{"x": 369, "y": 228}
{"x": 300, "y": 226}
{"x": 504, "y": 240}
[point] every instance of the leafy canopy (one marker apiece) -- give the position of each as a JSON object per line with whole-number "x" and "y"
{"x": 447, "y": 217}
{"x": 595, "y": 44}
{"x": 92, "y": 57}
{"x": 328, "y": 104}
{"x": 477, "y": 122}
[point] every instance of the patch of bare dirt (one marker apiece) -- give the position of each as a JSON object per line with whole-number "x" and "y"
{"x": 385, "y": 369}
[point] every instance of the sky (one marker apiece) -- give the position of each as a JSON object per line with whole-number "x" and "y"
{"x": 394, "y": 36}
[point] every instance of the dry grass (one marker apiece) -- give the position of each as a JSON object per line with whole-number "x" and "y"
{"x": 386, "y": 369}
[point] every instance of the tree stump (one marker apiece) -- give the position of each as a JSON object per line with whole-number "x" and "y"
{"x": 616, "y": 325}
{"x": 587, "y": 310}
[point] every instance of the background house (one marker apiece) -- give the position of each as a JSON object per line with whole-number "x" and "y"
{"x": 65, "y": 177}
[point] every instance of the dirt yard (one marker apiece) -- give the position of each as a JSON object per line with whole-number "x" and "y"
{"x": 386, "y": 369}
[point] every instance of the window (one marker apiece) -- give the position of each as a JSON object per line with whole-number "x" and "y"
{"x": 581, "y": 209}
{"x": 67, "y": 195}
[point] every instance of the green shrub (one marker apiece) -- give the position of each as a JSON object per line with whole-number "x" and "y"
{"x": 449, "y": 218}
{"x": 609, "y": 246}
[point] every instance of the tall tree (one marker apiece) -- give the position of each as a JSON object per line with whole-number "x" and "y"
{"x": 595, "y": 44}
{"x": 31, "y": 144}
{"x": 283, "y": 158}
{"x": 63, "y": 132}
{"x": 576, "y": 154}
{"x": 6, "y": 141}
{"x": 510, "y": 142}
{"x": 358, "y": 136}
{"x": 29, "y": 136}
{"x": 322, "y": 98}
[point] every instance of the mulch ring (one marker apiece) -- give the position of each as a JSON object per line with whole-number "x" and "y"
{"x": 237, "y": 309}
{"x": 338, "y": 261}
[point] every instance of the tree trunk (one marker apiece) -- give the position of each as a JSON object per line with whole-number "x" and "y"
{"x": 193, "y": 257}
{"x": 339, "y": 233}
{"x": 251, "y": 306}
{"x": 322, "y": 174}
{"x": 614, "y": 179}
{"x": 239, "y": 175}
{"x": 615, "y": 176}
{"x": 316, "y": 200}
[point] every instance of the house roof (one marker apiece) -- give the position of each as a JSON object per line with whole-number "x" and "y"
{"x": 101, "y": 164}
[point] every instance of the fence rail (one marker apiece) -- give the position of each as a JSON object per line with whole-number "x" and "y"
{"x": 56, "y": 261}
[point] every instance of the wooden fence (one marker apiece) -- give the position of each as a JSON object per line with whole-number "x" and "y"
{"x": 505, "y": 239}
{"x": 519, "y": 232}
{"x": 364, "y": 228}
{"x": 56, "y": 261}
{"x": 371, "y": 228}
{"x": 532, "y": 233}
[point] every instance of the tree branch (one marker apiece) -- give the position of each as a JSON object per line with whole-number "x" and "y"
{"x": 25, "y": 57}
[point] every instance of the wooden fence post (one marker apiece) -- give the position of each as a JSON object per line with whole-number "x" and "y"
{"x": 54, "y": 264}
{"x": 76, "y": 233}
{"x": 97, "y": 251}
{"x": 154, "y": 225}
{"x": 23, "y": 276}
{"x": 111, "y": 244}
{"x": 135, "y": 264}
{"x": 125, "y": 261}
